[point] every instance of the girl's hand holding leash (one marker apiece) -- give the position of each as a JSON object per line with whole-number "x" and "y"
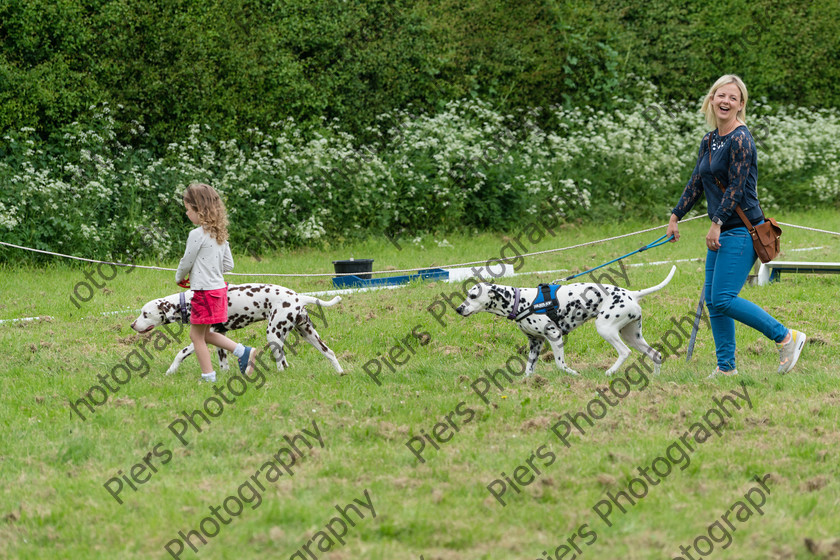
{"x": 185, "y": 283}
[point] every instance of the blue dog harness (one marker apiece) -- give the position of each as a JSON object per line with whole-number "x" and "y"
{"x": 544, "y": 304}
{"x": 546, "y": 298}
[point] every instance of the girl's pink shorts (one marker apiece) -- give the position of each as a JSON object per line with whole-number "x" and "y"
{"x": 209, "y": 307}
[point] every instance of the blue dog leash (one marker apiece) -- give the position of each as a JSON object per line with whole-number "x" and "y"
{"x": 513, "y": 315}
{"x": 661, "y": 241}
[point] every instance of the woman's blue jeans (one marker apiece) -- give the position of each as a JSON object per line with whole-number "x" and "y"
{"x": 726, "y": 271}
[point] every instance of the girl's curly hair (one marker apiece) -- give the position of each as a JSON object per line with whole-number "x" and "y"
{"x": 208, "y": 206}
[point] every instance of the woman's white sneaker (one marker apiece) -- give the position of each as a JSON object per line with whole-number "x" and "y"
{"x": 790, "y": 351}
{"x": 720, "y": 372}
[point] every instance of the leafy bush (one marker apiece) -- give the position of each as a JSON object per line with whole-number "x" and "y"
{"x": 786, "y": 51}
{"x": 243, "y": 64}
{"x": 237, "y": 64}
{"x": 467, "y": 166}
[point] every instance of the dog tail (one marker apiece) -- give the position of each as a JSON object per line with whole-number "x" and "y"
{"x": 306, "y": 300}
{"x": 643, "y": 293}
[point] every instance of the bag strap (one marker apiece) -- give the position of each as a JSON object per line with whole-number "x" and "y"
{"x": 738, "y": 207}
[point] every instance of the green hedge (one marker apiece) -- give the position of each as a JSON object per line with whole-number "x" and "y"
{"x": 236, "y": 64}
{"x": 242, "y": 64}
{"x": 466, "y": 167}
{"x": 786, "y": 51}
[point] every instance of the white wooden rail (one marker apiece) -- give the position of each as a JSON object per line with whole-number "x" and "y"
{"x": 772, "y": 271}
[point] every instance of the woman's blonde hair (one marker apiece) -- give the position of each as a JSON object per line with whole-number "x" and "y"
{"x": 208, "y": 206}
{"x": 709, "y": 111}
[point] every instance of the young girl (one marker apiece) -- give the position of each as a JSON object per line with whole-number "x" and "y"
{"x": 207, "y": 257}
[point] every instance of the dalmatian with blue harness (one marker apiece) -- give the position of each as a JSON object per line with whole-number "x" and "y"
{"x": 550, "y": 312}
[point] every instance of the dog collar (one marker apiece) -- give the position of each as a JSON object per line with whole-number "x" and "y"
{"x": 512, "y": 314}
{"x": 183, "y": 308}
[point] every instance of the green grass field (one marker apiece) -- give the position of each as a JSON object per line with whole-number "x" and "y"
{"x": 229, "y": 483}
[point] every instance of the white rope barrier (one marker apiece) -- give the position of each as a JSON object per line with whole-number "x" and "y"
{"x": 331, "y": 274}
{"x": 809, "y": 228}
{"x": 82, "y": 258}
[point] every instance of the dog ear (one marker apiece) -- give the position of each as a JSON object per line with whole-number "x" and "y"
{"x": 477, "y": 290}
{"x": 496, "y": 292}
{"x": 164, "y": 307}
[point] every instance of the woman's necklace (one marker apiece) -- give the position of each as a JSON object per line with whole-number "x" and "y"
{"x": 736, "y": 124}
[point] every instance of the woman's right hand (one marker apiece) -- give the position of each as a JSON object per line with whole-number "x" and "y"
{"x": 673, "y": 228}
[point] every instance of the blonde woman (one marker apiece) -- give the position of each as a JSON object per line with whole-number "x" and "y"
{"x": 205, "y": 260}
{"x": 728, "y": 154}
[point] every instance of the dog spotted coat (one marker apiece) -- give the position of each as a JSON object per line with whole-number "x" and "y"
{"x": 283, "y": 308}
{"x": 617, "y": 314}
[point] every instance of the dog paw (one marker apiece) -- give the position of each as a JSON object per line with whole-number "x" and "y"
{"x": 170, "y": 371}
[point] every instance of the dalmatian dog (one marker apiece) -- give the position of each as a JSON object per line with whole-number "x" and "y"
{"x": 247, "y": 303}
{"x": 617, "y": 314}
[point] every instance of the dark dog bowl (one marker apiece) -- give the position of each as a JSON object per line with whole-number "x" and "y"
{"x": 355, "y": 266}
